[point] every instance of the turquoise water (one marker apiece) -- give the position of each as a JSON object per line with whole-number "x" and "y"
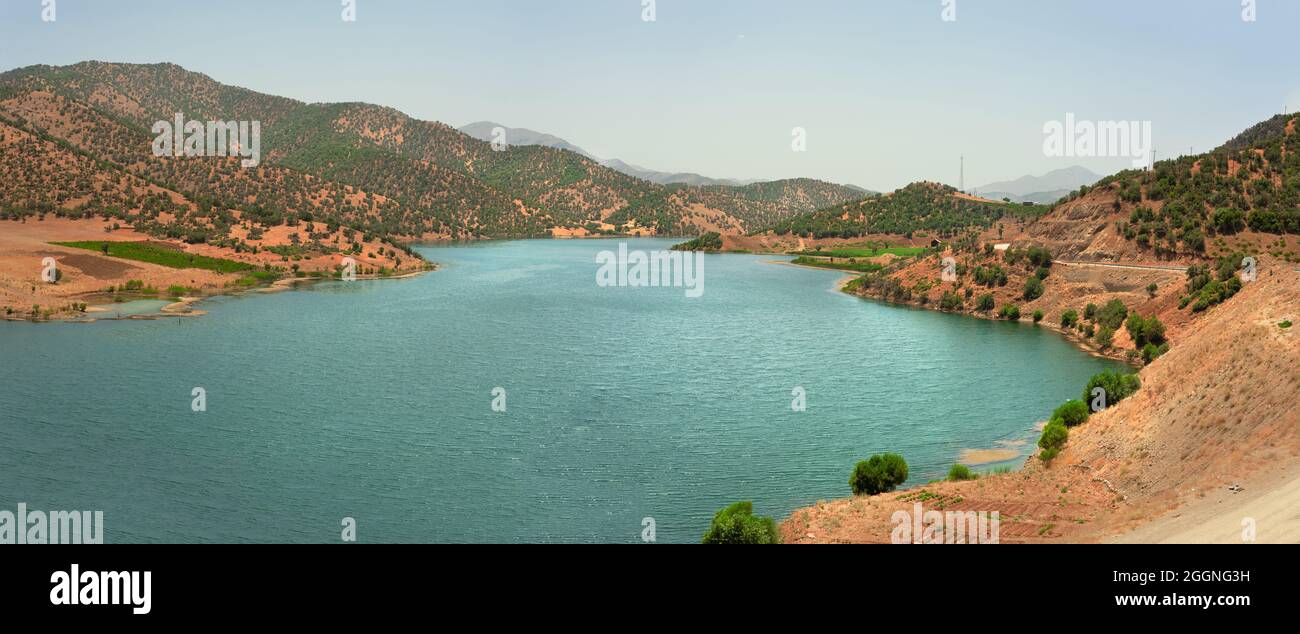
{"x": 127, "y": 309}
{"x": 372, "y": 400}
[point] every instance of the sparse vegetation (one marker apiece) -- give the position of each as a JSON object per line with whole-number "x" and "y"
{"x": 960, "y": 472}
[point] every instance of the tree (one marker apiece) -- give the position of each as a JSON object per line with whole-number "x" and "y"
{"x": 880, "y": 473}
{"x": 1071, "y": 413}
{"x": 1069, "y": 318}
{"x": 1117, "y": 386}
{"x": 737, "y": 524}
{"x": 1105, "y": 338}
{"x": 1145, "y": 331}
{"x": 1055, "y": 434}
{"x": 1112, "y": 315}
{"x": 984, "y": 303}
{"x": 1033, "y": 289}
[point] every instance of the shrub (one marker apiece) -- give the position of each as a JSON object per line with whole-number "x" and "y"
{"x": 1033, "y": 289}
{"x": 1055, "y": 434}
{"x": 1038, "y": 316}
{"x": 1069, "y": 318}
{"x": 1151, "y": 352}
{"x": 1010, "y": 312}
{"x": 1105, "y": 338}
{"x": 1071, "y": 413}
{"x": 737, "y": 524}
{"x": 1284, "y": 325}
{"x": 1145, "y": 331}
{"x": 881, "y": 473}
{"x": 1090, "y": 312}
{"x": 960, "y": 472}
{"x": 1117, "y": 386}
{"x": 951, "y": 302}
{"x": 1039, "y": 256}
{"x": 1112, "y": 315}
{"x": 984, "y": 303}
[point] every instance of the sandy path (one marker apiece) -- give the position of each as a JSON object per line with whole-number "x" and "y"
{"x": 1141, "y": 267}
{"x": 1219, "y": 518}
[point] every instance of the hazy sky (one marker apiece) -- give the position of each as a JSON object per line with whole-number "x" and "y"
{"x": 887, "y": 90}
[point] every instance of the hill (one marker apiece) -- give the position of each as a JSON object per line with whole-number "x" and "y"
{"x": 1242, "y": 197}
{"x": 1216, "y": 351}
{"x": 938, "y": 210}
{"x": 363, "y": 167}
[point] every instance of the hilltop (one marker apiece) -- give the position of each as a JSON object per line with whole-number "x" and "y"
{"x": 934, "y": 209}
{"x": 1241, "y": 197}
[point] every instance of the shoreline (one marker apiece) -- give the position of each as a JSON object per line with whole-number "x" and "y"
{"x": 184, "y": 307}
{"x": 1067, "y": 336}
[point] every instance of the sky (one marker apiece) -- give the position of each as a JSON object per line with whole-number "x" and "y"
{"x": 886, "y": 92}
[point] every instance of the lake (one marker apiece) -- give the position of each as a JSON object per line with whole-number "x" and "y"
{"x": 374, "y": 400}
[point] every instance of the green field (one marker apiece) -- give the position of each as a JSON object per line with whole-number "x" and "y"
{"x": 865, "y": 252}
{"x": 860, "y": 267}
{"x": 155, "y": 254}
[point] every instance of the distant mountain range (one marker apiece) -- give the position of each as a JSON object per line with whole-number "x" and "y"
{"x": 486, "y": 131}
{"x": 1045, "y": 189}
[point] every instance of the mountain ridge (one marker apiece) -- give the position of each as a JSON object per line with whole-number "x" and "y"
{"x": 422, "y": 179}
